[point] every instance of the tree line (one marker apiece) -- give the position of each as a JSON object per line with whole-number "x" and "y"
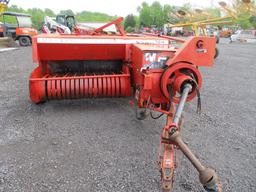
{"x": 156, "y": 15}
{"x": 149, "y": 15}
{"x": 39, "y": 14}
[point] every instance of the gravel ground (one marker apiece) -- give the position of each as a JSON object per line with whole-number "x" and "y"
{"x": 97, "y": 145}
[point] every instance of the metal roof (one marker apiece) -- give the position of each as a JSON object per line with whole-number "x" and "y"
{"x": 16, "y": 14}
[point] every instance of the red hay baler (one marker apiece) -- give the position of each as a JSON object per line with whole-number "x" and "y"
{"x": 160, "y": 72}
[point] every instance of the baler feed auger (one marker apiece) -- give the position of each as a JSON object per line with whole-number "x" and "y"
{"x": 161, "y": 72}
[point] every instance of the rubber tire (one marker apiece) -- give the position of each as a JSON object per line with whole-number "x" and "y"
{"x": 24, "y": 41}
{"x": 216, "y": 53}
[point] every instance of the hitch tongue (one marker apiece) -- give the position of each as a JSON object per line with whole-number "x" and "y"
{"x": 207, "y": 176}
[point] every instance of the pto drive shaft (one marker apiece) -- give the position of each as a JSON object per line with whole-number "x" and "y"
{"x": 207, "y": 176}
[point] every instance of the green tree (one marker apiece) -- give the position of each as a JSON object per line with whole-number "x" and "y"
{"x": 145, "y": 15}
{"x": 49, "y": 12}
{"x": 245, "y": 13}
{"x": 129, "y": 21}
{"x": 15, "y": 8}
{"x": 213, "y": 12}
{"x": 39, "y": 14}
{"x": 137, "y": 20}
{"x": 156, "y": 13}
{"x": 186, "y": 7}
{"x": 67, "y": 12}
{"x": 243, "y": 20}
{"x": 253, "y": 21}
{"x": 129, "y": 29}
{"x": 37, "y": 17}
{"x": 166, "y": 12}
{"x": 87, "y": 16}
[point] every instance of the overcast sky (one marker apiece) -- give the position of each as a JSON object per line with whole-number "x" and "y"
{"x": 112, "y": 7}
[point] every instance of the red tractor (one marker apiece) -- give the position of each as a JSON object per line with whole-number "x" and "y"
{"x": 160, "y": 72}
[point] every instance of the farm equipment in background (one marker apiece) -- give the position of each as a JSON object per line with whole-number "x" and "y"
{"x": 226, "y": 33}
{"x": 15, "y": 26}
{"x": 52, "y": 26}
{"x": 67, "y": 24}
{"x": 4, "y": 41}
{"x": 243, "y": 6}
{"x": 18, "y": 26}
{"x": 62, "y": 24}
{"x": 160, "y": 72}
{"x": 199, "y": 27}
{"x": 190, "y": 19}
{"x": 67, "y": 20}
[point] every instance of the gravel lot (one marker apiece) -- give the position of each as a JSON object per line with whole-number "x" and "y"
{"x": 97, "y": 145}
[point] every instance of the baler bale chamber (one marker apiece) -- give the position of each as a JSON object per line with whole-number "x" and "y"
{"x": 72, "y": 66}
{"x": 161, "y": 73}
{"x": 76, "y": 70}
